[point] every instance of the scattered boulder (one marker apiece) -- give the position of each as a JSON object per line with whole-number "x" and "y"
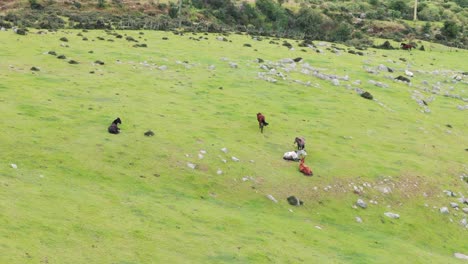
{"x": 247, "y": 45}
{"x": 225, "y": 150}
{"x": 361, "y": 203}
{"x": 444, "y": 210}
{"x": 52, "y": 53}
{"x": 149, "y": 133}
{"x": 463, "y": 200}
{"x": 191, "y": 165}
{"x": 14, "y": 166}
{"x": 272, "y": 198}
{"x": 293, "y": 200}
{"x": 358, "y": 219}
{"x": 99, "y": 62}
{"x": 73, "y": 62}
{"x": 392, "y": 215}
{"x": 465, "y": 210}
{"x": 450, "y": 193}
{"x": 403, "y": 79}
{"x": 453, "y": 205}
{"x": 61, "y": 57}
{"x": 235, "y": 159}
{"x": 259, "y": 60}
{"x": 464, "y": 222}
{"x": 64, "y": 39}
{"x": 460, "y": 256}
{"x": 33, "y": 68}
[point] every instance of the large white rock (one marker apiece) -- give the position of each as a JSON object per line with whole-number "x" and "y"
{"x": 392, "y": 215}
{"x": 460, "y": 256}
{"x": 444, "y": 210}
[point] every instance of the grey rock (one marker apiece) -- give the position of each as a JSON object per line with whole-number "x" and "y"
{"x": 463, "y": 200}
{"x": 191, "y": 165}
{"x": 358, "y": 219}
{"x": 454, "y": 205}
{"x": 460, "y": 256}
{"x": 392, "y": 215}
{"x": 450, "y": 193}
{"x": 444, "y": 210}
{"x": 465, "y": 210}
{"x": 361, "y": 203}
{"x": 14, "y": 166}
{"x": 272, "y": 198}
{"x": 464, "y": 222}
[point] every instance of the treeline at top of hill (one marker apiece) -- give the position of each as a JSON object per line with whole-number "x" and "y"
{"x": 350, "y": 22}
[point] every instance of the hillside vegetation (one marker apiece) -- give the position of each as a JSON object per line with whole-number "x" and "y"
{"x": 73, "y": 193}
{"x": 347, "y": 22}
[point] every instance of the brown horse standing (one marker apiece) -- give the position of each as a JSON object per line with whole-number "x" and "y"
{"x": 113, "y": 128}
{"x": 261, "y": 121}
{"x": 406, "y": 46}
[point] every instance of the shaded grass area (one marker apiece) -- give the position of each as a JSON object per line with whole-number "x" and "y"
{"x": 81, "y": 195}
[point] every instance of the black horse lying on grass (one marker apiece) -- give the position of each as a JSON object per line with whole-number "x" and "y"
{"x": 113, "y": 128}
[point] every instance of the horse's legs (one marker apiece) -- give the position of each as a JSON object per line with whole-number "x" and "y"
{"x": 261, "y": 128}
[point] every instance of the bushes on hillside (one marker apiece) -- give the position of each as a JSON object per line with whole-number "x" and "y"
{"x": 330, "y": 21}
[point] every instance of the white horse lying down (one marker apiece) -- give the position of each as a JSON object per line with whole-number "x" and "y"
{"x": 294, "y": 155}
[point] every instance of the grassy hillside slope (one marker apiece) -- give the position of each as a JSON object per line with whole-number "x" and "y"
{"x": 81, "y": 195}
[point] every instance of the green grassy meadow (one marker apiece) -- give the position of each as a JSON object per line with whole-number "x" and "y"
{"x": 82, "y": 195}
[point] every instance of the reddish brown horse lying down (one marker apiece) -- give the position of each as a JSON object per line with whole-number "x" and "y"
{"x": 261, "y": 121}
{"x": 113, "y": 128}
{"x": 305, "y": 169}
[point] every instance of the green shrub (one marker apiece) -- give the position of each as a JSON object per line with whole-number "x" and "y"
{"x": 450, "y": 29}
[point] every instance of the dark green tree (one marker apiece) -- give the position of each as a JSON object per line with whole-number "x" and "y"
{"x": 450, "y": 29}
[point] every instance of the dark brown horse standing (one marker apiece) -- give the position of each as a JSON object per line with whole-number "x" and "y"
{"x": 300, "y": 141}
{"x": 113, "y": 128}
{"x": 407, "y": 46}
{"x": 261, "y": 121}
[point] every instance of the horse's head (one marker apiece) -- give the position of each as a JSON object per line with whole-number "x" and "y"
{"x": 117, "y": 121}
